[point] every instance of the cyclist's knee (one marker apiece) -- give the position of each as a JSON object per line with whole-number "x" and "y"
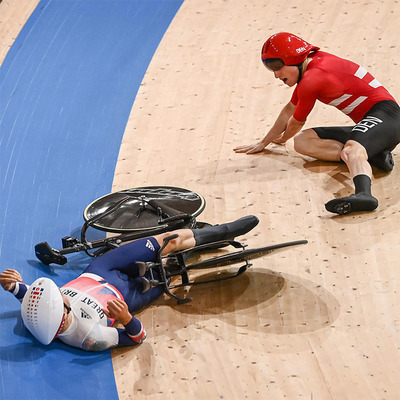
{"x": 302, "y": 141}
{"x": 180, "y": 239}
{"x": 298, "y": 145}
{"x": 172, "y": 243}
{"x": 353, "y": 150}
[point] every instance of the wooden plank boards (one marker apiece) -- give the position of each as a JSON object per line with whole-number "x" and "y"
{"x": 317, "y": 321}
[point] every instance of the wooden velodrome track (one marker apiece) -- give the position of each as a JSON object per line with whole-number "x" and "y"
{"x": 319, "y": 321}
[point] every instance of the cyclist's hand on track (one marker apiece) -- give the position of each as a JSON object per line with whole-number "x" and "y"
{"x": 251, "y": 149}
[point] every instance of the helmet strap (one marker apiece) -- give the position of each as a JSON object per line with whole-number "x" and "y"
{"x": 61, "y": 325}
{"x": 300, "y": 67}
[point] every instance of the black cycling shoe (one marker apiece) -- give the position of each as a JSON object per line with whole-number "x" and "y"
{"x": 353, "y": 203}
{"x": 227, "y": 231}
{"x": 383, "y": 161}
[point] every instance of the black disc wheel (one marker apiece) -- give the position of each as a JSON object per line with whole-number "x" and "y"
{"x": 142, "y": 208}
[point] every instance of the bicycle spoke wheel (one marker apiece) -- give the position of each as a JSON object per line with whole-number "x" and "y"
{"x": 241, "y": 256}
{"x": 140, "y": 208}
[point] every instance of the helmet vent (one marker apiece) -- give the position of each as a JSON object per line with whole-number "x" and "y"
{"x": 33, "y": 304}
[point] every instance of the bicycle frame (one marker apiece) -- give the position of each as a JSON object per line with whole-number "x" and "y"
{"x": 181, "y": 269}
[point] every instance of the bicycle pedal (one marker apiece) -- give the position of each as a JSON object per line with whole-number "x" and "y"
{"x": 148, "y": 284}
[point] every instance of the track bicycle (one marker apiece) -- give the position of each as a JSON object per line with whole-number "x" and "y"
{"x": 147, "y": 211}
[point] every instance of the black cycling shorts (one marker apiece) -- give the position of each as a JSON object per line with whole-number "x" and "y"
{"x": 379, "y": 129}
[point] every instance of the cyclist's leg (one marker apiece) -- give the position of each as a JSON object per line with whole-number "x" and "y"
{"x": 355, "y": 155}
{"x": 184, "y": 240}
{"x": 370, "y": 142}
{"x": 379, "y": 133}
{"x": 120, "y": 268}
{"x": 188, "y": 238}
{"x": 334, "y": 144}
{"x": 324, "y": 144}
{"x": 125, "y": 258}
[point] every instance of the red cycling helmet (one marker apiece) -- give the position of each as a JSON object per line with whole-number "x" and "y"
{"x": 289, "y": 48}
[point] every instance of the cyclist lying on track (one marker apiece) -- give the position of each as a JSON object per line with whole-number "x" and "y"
{"x": 83, "y": 311}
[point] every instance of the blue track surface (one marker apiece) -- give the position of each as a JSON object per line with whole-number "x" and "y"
{"x": 66, "y": 90}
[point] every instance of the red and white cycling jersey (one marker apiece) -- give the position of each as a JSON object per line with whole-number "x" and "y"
{"x": 94, "y": 293}
{"x": 88, "y": 295}
{"x": 90, "y": 328}
{"x": 340, "y": 83}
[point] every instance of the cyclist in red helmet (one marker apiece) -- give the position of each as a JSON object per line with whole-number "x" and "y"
{"x": 317, "y": 75}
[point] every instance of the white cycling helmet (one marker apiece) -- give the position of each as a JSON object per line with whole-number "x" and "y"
{"x": 43, "y": 310}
